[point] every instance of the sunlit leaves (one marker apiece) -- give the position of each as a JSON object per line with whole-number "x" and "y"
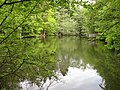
{"x": 104, "y": 19}
{"x": 66, "y": 24}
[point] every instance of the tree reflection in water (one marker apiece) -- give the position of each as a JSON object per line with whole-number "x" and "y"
{"x": 31, "y": 64}
{"x": 26, "y": 59}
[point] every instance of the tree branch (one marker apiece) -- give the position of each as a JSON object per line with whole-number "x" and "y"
{"x": 109, "y": 28}
{"x": 9, "y": 3}
{"x": 14, "y": 70}
{"x": 3, "y": 3}
{"x": 7, "y": 15}
{"x": 16, "y": 2}
{"x": 19, "y": 24}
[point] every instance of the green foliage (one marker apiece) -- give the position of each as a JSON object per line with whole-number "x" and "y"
{"x": 66, "y": 24}
{"x": 22, "y": 59}
{"x": 26, "y": 59}
{"x": 103, "y": 18}
{"x": 36, "y": 23}
{"x": 30, "y": 17}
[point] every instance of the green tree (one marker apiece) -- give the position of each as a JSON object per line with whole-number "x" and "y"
{"x": 65, "y": 23}
{"x": 103, "y": 18}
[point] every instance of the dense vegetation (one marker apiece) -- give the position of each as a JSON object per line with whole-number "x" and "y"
{"x": 22, "y": 57}
{"x": 24, "y": 18}
{"x": 26, "y": 59}
{"x": 104, "y": 19}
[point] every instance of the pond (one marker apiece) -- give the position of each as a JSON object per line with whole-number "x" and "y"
{"x": 67, "y": 63}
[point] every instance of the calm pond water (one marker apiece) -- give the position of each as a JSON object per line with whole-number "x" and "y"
{"x": 67, "y": 63}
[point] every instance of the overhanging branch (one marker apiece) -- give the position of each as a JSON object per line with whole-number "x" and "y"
{"x": 109, "y": 28}
{"x": 19, "y": 24}
{"x": 7, "y": 15}
{"x": 9, "y": 3}
{"x": 16, "y": 2}
{"x": 3, "y": 3}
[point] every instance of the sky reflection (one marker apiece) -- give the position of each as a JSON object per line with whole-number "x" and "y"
{"x": 77, "y": 79}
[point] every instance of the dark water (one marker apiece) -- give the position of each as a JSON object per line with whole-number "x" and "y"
{"x": 67, "y": 63}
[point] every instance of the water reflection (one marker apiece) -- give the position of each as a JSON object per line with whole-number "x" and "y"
{"x": 80, "y": 53}
{"x": 26, "y": 59}
{"x": 67, "y": 63}
{"x": 77, "y": 79}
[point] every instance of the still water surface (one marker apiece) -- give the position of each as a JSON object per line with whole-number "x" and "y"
{"x": 67, "y": 63}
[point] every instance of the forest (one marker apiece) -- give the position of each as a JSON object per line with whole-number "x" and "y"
{"x": 27, "y": 18}
{"x": 32, "y": 47}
